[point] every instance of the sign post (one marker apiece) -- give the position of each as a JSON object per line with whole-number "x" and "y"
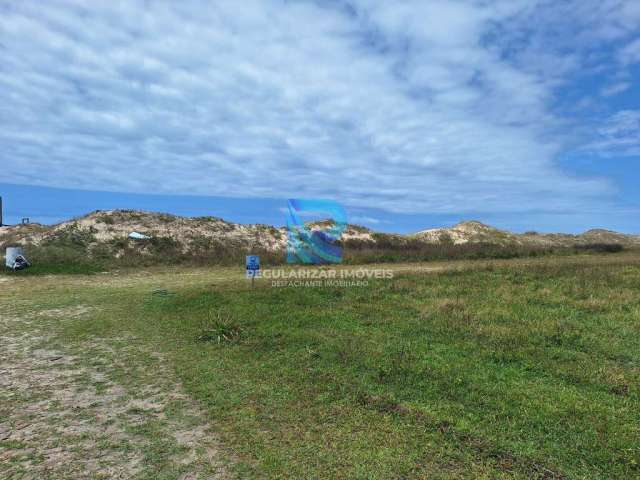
{"x": 253, "y": 268}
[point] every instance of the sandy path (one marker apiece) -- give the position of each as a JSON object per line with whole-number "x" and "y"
{"x": 95, "y": 411}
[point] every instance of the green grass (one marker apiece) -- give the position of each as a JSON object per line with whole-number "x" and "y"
{"x": 56, "y": 269}
{"x": 75, "y": 251}
{"x": 511, "y": 372}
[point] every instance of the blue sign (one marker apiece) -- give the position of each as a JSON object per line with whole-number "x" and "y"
{"x": 253, "y": 266}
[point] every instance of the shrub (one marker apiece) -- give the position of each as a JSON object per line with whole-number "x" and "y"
{"x": 602, "y": 247}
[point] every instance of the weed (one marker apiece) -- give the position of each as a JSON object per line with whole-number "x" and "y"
{"x": 220, "y": 328}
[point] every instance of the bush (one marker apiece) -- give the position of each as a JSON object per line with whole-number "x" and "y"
{"x": 602, "y": 247}
{"x": 412, "y": 250}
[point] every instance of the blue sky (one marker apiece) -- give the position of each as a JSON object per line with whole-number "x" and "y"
{"x": 521, "y": 113}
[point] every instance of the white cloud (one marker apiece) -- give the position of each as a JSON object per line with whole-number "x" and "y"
{"x": 364, "y": 220}
{"x": 619, "y": 136}
{"x": 631, "y": 52}
{"x": 414, "y": 106}
{"x": 615, "y": 89}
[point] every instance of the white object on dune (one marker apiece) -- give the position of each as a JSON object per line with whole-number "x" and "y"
{"x": 15, "y": 258}
{"x": 139, "y": 236}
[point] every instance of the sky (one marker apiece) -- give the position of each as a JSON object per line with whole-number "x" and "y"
{"x": 418, "y": 113}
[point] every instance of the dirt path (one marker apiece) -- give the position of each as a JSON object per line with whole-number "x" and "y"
{"x": 95, "y": 410}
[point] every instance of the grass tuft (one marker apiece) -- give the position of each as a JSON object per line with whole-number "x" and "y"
{"x": 219, "y": 327}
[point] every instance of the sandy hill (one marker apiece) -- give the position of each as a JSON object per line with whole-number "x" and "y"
{"x": 107, "y": 232}
{"x": 112, "y": 227}
{"x": 477, "y": 232}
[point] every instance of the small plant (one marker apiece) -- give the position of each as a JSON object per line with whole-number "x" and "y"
{"x": 220, "y": 328}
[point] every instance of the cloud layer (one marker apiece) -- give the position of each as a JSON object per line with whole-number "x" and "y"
{"x": 414, "y": 106}
{"x": 619, "y": 136}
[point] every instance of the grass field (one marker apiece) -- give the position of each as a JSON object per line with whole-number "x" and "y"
{"x": 493, "y": 369}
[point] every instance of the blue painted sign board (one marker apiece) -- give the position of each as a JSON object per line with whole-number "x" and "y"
{"x": 253, "y": 266}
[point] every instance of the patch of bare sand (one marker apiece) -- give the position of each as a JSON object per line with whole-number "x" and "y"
{"x": 68, "y": 312}
{"x": 63, "y": 415}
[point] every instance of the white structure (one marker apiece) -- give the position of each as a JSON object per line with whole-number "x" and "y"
{"x": 139, "y": 236}
{"x": 15, "y": 258}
